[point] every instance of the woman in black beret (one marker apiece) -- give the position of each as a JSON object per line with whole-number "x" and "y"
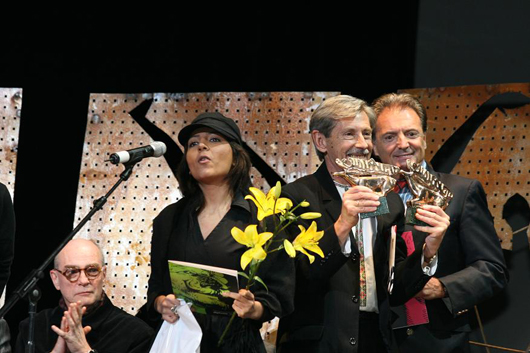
{"x": 214, "y": 177}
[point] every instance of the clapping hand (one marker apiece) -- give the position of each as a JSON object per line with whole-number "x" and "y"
{"x": 72, "y": 334}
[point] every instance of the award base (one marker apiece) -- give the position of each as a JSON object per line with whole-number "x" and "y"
{"x": 381, "y": 209}
{"x": 410, "y": 217}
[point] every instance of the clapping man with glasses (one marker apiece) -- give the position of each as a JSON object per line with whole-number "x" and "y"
{"x": 85, "y": 320}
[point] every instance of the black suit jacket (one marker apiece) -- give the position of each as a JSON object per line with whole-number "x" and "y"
{"x": 470, "y": 263}
{"x": 7, "y": 235}
{"x": 326, "y": 316}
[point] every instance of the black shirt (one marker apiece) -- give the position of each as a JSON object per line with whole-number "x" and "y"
{"x": 177, "y": 236}
{"x": 113, "y": 330}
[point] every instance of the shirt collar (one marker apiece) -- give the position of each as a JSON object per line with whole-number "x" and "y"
{"x": 239, "y": 201}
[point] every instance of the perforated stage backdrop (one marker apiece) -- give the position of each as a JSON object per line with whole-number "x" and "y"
{"x": 274, "y": 128}
{"x": 490, "y": 139}
{"x": 11, "y": 105}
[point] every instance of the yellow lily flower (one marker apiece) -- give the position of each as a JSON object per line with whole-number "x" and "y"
{"x": 276, "y": 190}
{"x": 254, "y": 241}
{"x": 289, "y": 248}
{"x": 306, "y": 240}
{"x": 310, "y": 215}
{"x": 265, "y": 203}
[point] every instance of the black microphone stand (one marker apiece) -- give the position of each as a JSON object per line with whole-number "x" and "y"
{"x": 28, "y": 287}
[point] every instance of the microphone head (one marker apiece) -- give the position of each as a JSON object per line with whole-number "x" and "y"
{"x": 159, "y": 148}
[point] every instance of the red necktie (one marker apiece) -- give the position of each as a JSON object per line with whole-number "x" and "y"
{"x": 400, "y": 185}
{"x": 415, "y": 308}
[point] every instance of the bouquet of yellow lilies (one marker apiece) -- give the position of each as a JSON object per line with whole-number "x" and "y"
{"x": 261, "y": 244}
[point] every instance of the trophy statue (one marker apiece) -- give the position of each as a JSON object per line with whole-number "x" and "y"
{"x": 426, "y": 190}
{"x": 379, "y": 177}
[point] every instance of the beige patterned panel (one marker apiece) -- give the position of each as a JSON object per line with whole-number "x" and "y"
{"x": 123, "y": 226}
{"x": 498, "y": 154}
{"x": 10, "y": 108}
{"x": 274, "y": 126}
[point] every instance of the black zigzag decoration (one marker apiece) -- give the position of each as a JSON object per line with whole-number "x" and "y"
{"x": 451, "y": 151}
{"x": 174, "y": 154}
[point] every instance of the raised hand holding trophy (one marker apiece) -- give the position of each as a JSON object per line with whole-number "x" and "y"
{"x": 427, "y": 190}
{"x": 379, "y": 177}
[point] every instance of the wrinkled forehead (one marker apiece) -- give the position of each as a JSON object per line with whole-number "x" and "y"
{"x": 397, "y": 118}
{"x": 359, "y": 122}
{"x": 66, "y": 261}
{"x": 80, "y": 255}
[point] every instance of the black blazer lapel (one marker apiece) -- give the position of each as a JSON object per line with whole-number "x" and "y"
{"x": 328, "y": 192}
{"x": 331, "y": 199}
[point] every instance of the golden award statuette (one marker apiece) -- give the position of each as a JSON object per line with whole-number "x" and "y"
{"x": 377, "y": 176}
{"x": 427, "y": 190}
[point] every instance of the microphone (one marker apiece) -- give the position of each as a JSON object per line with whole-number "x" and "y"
{"x": 156, "y": 149}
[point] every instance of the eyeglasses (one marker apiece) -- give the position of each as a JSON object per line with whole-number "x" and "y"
{"x": 72, "y": 274}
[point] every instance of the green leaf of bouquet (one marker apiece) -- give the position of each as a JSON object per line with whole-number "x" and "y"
{"x": 256, "y": 278}
{"x": 243, "y": 274}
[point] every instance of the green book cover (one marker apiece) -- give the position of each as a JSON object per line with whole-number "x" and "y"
{"x": 202, "y": 285}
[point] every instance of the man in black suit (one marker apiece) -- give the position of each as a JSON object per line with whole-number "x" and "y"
{"x": 342, "y": 300}
{"x": 471, "y": 265}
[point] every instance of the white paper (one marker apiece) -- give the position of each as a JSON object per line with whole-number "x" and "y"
{"x": 182, "y": 336}
{"x": 392, "y": 259}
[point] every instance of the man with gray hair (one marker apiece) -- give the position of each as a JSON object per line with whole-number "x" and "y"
{"x": 342, "y": 301}
{"x": 85, "y": 320}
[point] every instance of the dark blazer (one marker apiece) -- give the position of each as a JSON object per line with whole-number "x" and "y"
{"x": 326, "y": 316}
{"x": 170, "y": 228}
{"x": 7, "y": 235}
{"x": 275, "y": 271}
{"x": 470, "y": 265}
